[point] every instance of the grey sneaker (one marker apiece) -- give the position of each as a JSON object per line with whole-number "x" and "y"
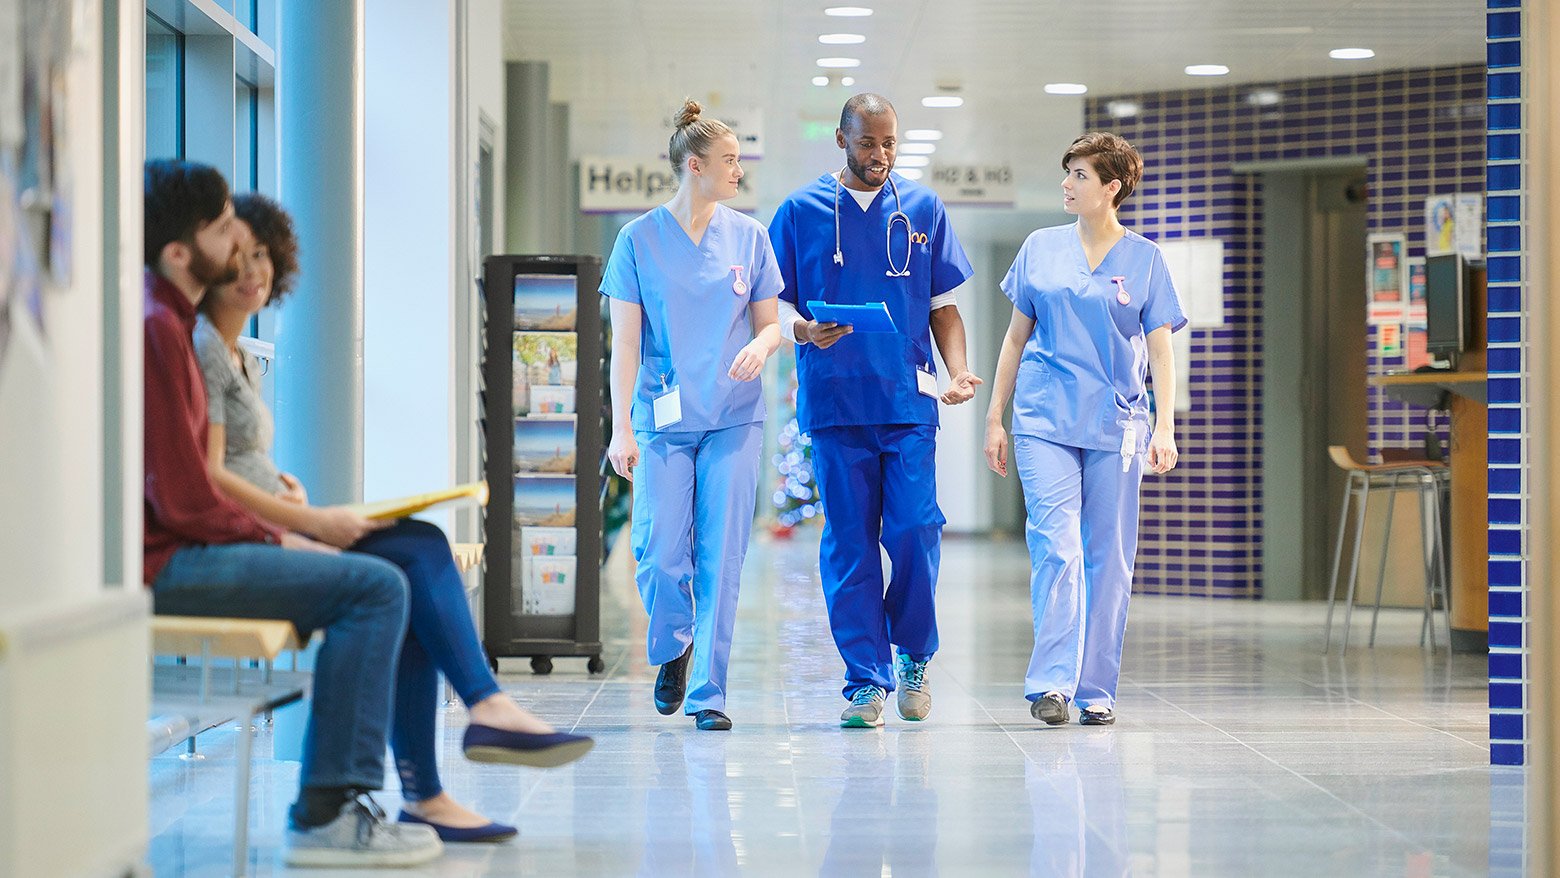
{"x": 866, "y": 709}
{"x": 915, "y": 694}
{"x": 361, "y": 836}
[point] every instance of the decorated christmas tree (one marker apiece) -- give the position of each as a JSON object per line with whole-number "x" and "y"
{"x": 796, "y": 488}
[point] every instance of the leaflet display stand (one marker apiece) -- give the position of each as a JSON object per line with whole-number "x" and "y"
{"x": 543, "y": 412}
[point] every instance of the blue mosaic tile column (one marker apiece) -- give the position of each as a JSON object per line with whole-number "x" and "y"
{"x": 1507, "y": 330}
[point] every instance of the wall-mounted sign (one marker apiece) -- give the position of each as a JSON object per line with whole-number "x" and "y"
{"x": 973, "y": 184}
{"x": 748, "y": 125}
{"x": 620, "y": 185}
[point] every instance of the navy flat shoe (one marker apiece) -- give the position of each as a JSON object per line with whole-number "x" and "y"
{"x": 487, "y": 744}
{"x": 712, "y": 721}
{"x": 491, "y": 833}
{"x": 1096, "y": 716}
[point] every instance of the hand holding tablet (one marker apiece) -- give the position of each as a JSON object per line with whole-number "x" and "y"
{"x": 871, "y": 317}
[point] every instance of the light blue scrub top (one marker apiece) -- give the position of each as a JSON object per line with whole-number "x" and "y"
{"x": 1081, "y": 375}
{"x": 694, "y": 323}
{"x": 866, "y": 378}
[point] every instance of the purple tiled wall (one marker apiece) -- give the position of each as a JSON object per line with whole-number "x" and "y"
{"x": 1420, "y": 132}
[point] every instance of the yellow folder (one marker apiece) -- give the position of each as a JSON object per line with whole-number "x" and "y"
{"x": 473, "y": 492}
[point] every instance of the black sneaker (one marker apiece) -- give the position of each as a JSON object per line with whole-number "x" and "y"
{"x": 712, "y": 721}
{"x": 1096, "y": 716}
{"x": 1050, "y": 708}
{"x": 672, "y": 683}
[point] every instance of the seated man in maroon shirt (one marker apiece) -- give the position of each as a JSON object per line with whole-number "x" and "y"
{"x": 207, "y": 556}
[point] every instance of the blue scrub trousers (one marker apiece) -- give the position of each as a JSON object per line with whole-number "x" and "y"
{"x": 879, "y": 486}
{"x": 694, "y": 501}
{"x": 1082, "y": 535}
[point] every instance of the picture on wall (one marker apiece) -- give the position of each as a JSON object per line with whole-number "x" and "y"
{"x": 544, "y": 445}
{"x": 1440, "y": 225}
{"x": 545, "y": 301}
{"x": 544, "y": 500}
{"x": 1384, "y": 278}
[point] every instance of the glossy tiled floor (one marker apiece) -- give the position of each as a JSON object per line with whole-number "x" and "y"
{"x": 1240, "y": 751}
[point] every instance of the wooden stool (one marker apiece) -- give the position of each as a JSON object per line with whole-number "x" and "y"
{"x": 1430, "y": 479}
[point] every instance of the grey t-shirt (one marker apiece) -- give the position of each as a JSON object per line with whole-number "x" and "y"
{"x": 233, "y": 400}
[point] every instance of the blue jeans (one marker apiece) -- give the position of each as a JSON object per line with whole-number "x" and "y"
{"x": 359, "y": 601}
{"x": 442, "y": 637}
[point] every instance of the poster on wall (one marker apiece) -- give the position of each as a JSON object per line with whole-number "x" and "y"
{"x": 1415, "y": 317}
{"x": 1384, "y": 275}
{"x": 1390, "y": 335}
{"x": 1469, "y": 237}
{"x": 1440, "y": 225}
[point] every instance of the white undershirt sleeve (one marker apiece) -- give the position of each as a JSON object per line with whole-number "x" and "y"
{"x": 788, "y": 317}
{"x": 946, "y": 299}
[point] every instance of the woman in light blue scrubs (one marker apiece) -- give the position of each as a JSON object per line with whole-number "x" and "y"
{"x": 1093, "y": 309}
{"x": 692, "y": 285}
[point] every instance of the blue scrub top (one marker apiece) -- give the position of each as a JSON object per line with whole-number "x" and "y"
{"x": 1081, "y": 375}
{"x": 694, "y": 323}
{"x": 866, "y": 378}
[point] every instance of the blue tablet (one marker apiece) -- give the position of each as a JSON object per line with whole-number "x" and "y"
{"x": 871, "y": 317}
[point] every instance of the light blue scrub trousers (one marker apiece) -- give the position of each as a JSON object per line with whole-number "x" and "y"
{"x": 1082, "y": 535}
{"x": 694, "y": 500}
{"x": 879, "y": 485}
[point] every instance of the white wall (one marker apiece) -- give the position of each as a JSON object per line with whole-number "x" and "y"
{"x": 63, "y": 629}
{"x": 423, "y": 103}
{"x": 409, "y": 224}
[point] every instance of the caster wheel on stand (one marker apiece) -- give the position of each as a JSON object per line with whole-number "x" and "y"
{"x": 541, "y": 664}
{"x": 595, "y": 664}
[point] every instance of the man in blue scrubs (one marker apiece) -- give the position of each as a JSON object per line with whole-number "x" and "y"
{"x": 869, "y": 400}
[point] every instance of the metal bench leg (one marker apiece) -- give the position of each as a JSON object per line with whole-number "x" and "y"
{"x": 241, "y": 799}
{"x": 1381, "y": 568}
{"x": 1332, "y": 590}
{"x": 1354, "y": 565}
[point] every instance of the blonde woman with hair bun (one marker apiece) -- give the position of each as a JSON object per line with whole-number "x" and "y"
{"x": 692, "y": 287}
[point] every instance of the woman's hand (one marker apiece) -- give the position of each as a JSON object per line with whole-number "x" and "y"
{"x": 749, "y": 361}
{"x": 1161, "y": 451}
{"x": 341, "y": 527}
{"x": 624, "y": 453}
{"x": 997, "y": 449}
{"x": 301, "y": 543}
{"x": 292, "y": 490}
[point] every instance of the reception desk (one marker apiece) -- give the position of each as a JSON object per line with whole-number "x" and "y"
{"x": 1468, "y": 529}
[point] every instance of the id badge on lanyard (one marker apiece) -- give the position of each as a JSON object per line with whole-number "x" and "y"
{"x": 926, "y": 382}
{"x": 667, "y": 405}
{"x": 1128, "y": 446}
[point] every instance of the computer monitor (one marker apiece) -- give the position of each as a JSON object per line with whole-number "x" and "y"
{"x": 1446, "y": 304}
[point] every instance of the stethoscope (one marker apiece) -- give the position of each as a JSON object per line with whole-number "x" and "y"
{"x": 898, "y": 216}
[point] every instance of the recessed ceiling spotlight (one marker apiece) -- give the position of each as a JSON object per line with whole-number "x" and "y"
{"x": 838, "y": 63}
{"x": 841, "y": 39}
{"x": 1264, "y": 98}
{"x": 914, "y": 148}
{"x": 942, "y": 101}
{"x": 848, "y": 11}
{"x": 1065, "y": 88}
{"x": 820, "y": 80}
{"x": 1207, "y": 70}
{"x": 923, "y": 134}
{"x": 908, "y": 173}
{"x": 912, "y": 161}
{"x": 1123, "y": 109}
{"x": 1351, "y": 54}
{"x": 847, "y": 81}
